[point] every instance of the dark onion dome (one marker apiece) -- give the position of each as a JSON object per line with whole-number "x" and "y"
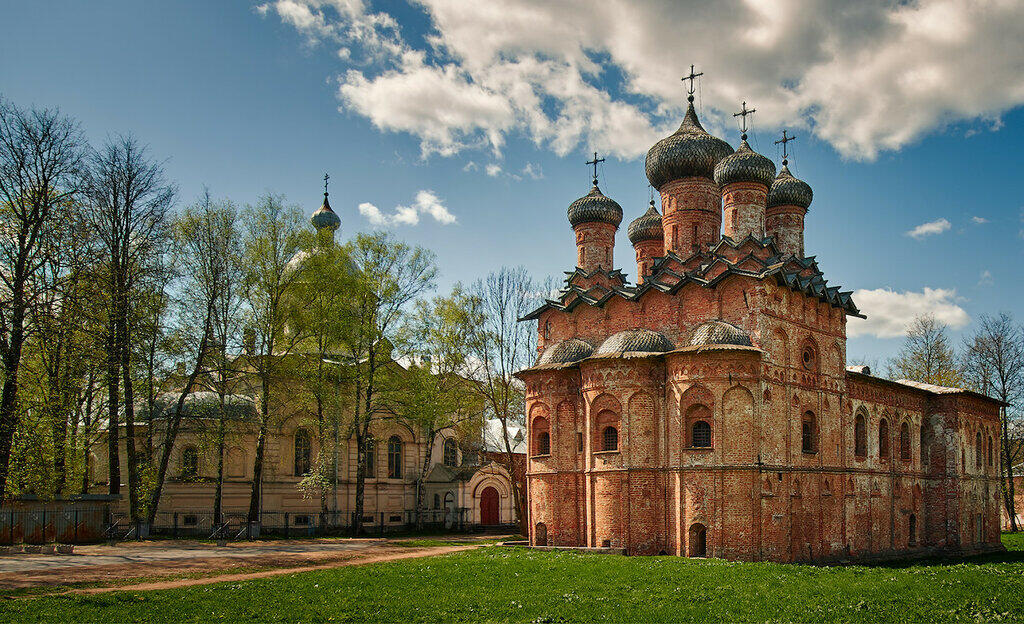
{"x": 789, "y": 191}
{"x": 566, "y": 352}
{"x": 688, "y": 152}
{"x": 324, "y": 217}
{"x": 719, "y": 333}
{"x": 646, "y": 227}
{"x": 594, "y": 207}
{"x": 635, "y": 341}
{"x": 745, "y": 165}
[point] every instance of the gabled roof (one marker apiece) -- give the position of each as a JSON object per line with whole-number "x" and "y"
{"x": 756, "y": 258}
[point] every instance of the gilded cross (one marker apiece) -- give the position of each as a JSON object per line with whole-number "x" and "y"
{"x": 594, "y": 162}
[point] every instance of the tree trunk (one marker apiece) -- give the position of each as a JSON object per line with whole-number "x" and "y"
{"x": 113, "y": 401}
{"x": 420, "y": 493}
{"x": 9, "y": 417}
{"x": 218, "y": 494}
{"x": 124, "y": 348}
{"x": 261, "y": 441}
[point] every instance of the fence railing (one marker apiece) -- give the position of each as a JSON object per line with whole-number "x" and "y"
{"x": 58, "y": 524}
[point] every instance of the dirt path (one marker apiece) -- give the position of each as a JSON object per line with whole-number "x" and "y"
{"x": 113, "y": 566}
{"x": 224, "y": 578}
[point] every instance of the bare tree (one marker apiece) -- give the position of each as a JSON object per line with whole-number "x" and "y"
{"x": 41, "y": 154}
{"x": 926, "y": 355}
{"x": 501, "y": 347}
{"x": 129, "y": 200}
{"x": 994, "y": 365}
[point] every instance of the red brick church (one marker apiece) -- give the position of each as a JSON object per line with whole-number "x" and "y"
{"x": 707, "y": 409}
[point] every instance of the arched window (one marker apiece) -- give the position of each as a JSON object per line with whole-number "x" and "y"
{"x": 883, "y": 440}
{"x": 451, "y": 452}
{"x": 700, "y": 434}
{"x": 905, "y": 442}
{"x": 809, "y": 433}
{"x": 541, "y": 436}
{"x": 610, "y": 437}
{"x": 370, "y": 447}
{"x": 303, "y": 446}
{"x": 189, "y": 463}
{"x": 923, "y": 434}
{"x": 912, "y": 530}
{"x": 394, "y": 457}
{"x": 860, "y": 436}
{"x": 977, "y": 450}
{"x": 437, "y": 501}
{"x": 990, "y": 451}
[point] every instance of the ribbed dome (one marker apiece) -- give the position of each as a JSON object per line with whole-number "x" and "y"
{"x": 688, "y": 152}
{"x": 324, "y": 217}
{"x": 565, "y": 352}
{"x": 719, "y": 332}
{"x": 789, "y": 191}
{"x": 745, "y": 165}
{"x": 635, "y": 341}
{"x": 594, "y": 207}
{"x": 646, "y": 227}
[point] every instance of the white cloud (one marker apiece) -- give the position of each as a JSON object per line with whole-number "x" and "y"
{"x": 890, "y": 312}
{"x": 532, "y": 171}
{"x": 470, "y": 166}
{"x": 425, "y": 203}
{"x": 493, "y": 170}
{"x": 979, "y": 220}
{"x": 864, "y": 76}
{"x": 985, "y": 279}
{"x": 937, "y": 226}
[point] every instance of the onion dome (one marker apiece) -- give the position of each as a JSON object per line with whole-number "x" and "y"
{"x": 635, "y": 341}
{"x": 595, "y": 207}
{"x": 688, "y": 152}
{"x": 324, "y": 217}
{"x": 646, "y": 227}
{"x": 745, "y": 165}
{"x": 789, "y": 191}
{"x": 566, "y": 352}
{"x": 719, "y": 333}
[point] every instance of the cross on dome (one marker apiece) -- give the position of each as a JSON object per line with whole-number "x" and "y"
{"x": 690, "y": 89}
{"x": 594, "y": 162}
{"x": 327, "y": 177}
{"x": 785, "y": 151}
{"x": 743, "y": 113}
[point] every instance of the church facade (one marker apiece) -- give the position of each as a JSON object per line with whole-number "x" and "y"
{"x": 707, "y": 409}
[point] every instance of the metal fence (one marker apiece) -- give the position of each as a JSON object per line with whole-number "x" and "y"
{"x": 53, "y": 524}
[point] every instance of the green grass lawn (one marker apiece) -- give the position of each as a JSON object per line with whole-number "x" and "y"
{"x": 509, "y": 584}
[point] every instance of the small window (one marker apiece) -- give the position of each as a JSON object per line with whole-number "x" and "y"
{"x": 809, "y": 358}
{"x": 883, "y": 440}
{"x": 544, "y": 443}
{"x": 860, "y": 437}
{"x": 190, "y": 520}
{"x": 905, "y": 443}
{"x": 809, "y": 433}
{"x": 700, "y": 434}
{"x": 302, "y": 520}
{"x": 579, "y": 441}
{"x": 394, "y": 518}
{"x": 451, "y": 452}
{"x": 303, "y": 445}
{"x": 610, "y": 437}
{"x": 368, "y": 519}
{"x": 189, "y": 463}
{"x": 394, "y": 457}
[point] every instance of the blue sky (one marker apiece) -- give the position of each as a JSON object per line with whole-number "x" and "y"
{"x": 903, "y": 120}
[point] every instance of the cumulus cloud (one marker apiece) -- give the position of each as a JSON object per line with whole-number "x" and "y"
{"x": 426, "y": 203}
{"x": 937, "y": 226}
{"x": 979, "y": 220}
{"x": 532, "y": 171}
{"x": 493, "y": 170}
{"x": 890, "y": 312}
{"x": 863, "y": 76}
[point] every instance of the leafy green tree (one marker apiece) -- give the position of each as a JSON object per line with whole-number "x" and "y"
{"x": 926, "y": 355}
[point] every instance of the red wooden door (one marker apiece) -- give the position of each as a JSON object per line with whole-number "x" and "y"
{"x": 489, "y": 506}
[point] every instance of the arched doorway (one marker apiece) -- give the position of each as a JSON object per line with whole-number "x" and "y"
{"x": 449, "y": 510}
{"x": 541, "y": 534}
{"x": 489, "y": 507}
{"x": 698, "y": 541}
